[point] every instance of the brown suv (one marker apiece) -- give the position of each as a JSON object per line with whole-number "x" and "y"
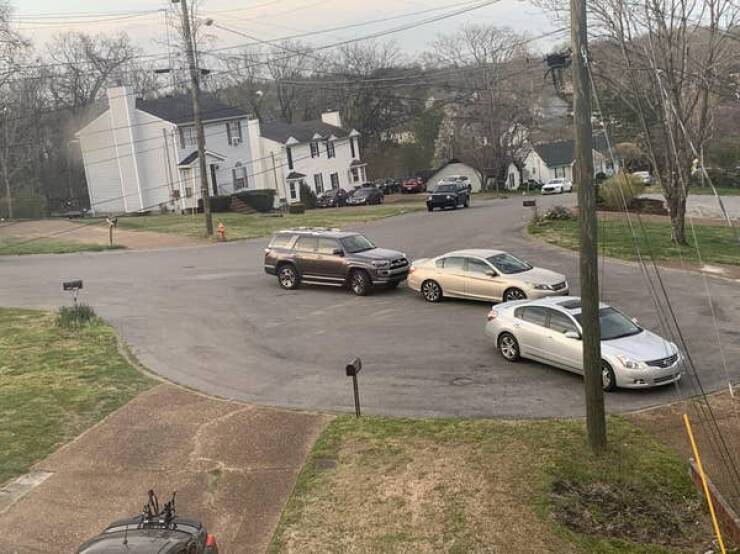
{"x": 332, "y": 257}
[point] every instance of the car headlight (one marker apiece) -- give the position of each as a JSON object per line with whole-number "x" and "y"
{"x": 381, "y": 263}
{"x": 430, "y": 197}
{"x": 629, "y": 363}
{"x": 449, "y": 197}
{"x": 543, "y": 287}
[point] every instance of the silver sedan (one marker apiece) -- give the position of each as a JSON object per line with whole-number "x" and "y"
{"x": 480, "y": 274}
{"x": 549, "y": 331}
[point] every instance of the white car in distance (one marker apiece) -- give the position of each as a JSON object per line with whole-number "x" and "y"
{"x": 557, "y": 186}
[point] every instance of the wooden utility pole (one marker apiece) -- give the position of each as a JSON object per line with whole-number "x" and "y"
{"x": 589, "y": 268}
{"x": 195, "y": 90}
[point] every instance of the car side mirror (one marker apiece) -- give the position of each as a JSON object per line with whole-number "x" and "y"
{"x": 491, "y": 273}
{"x": 338, "y": 252}
{"x": 634, "y": 320}
{"x": 572, "y": 335}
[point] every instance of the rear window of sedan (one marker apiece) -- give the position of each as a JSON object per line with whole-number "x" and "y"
{"x": 532, "y": 314}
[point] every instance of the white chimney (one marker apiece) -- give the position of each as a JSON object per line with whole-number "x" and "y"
{"x": 332, "y": 118}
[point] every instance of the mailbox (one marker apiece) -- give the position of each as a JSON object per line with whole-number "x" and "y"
{"x": 529, "y": 203}
{"x": 354, "y": 367}
{"x": 72, "y": 285}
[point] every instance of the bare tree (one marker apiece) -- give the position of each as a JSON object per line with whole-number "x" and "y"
{"x": 287, "y": 65}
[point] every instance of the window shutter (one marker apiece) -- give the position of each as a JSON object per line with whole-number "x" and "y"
{"x": 352, "y": 145}
{"x": 228, "y": 133}
{"x": 233, "y": 177}
{"x": 182, "y": 137}
{"x": 239, "y": 128}
{"x": 290, "y": 157}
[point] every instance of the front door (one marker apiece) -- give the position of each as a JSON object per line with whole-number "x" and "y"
{"x": 214, "y": 183}
{"x": 564, "y": 351}
{"x": 479, "y": 283}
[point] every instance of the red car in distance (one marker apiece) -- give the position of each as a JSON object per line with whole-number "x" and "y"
{"x": 413, "y": 185}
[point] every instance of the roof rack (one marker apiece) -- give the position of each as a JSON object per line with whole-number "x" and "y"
{"x": 314, "y": 229}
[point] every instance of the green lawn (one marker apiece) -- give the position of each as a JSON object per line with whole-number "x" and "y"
{"x": 461, "y": 486}
{"x": 10, "y": 246}
{"x": 54, "y": 384}
{"x": 241, "y": 226}
{"x": 716, "y": 243}
{"x": 722, "y": 191}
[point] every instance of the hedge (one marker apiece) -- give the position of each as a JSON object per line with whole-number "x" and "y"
{"x": 262, "y": 200}
{"x": 26, "y": 205}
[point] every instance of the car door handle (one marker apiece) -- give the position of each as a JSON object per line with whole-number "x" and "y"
{"x": 517, "y": 325}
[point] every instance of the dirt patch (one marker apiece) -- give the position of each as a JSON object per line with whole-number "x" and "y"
{"x": 627, "y": 512}
{"x": 651, "y": 206}
{"x": 92, "y": 231}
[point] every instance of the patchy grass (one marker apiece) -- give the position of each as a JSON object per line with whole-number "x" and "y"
{"x": 722, "y": 191}
{"x": 15, "y": 246}
{"x": 245, "y": 226}
{"x": 398, "y": 485}
{"x": 716, "y": 243}
{"x": 54, "y": 384}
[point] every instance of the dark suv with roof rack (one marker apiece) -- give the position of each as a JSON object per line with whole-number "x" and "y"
{"x": 333, "y": 257}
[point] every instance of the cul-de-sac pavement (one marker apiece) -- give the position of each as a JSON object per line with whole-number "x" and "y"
{"x": 208, "y": 317}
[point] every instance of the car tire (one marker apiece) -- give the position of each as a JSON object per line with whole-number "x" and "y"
{"x": 429, "y": 208}
{"x": 608, "y": 380}
{"x": 513, "y": 293}
{"x": 393, "y": 285}
{"x": 431, "y": 291}
{"x": 508, "y": 346}
{"x": 467, "y": 203}
{"x": 288, "y": 276}
{"x": 360, "y": 283}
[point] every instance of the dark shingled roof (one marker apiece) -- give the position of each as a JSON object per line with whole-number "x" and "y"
{"x": 563, "y": 153}
{"x": 179, "y": 109}
{"x": 302, "y": 132}
{"x": 295, "y": 175}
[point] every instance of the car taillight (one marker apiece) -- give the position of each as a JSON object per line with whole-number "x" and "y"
{"x": 492, "y": 314}
{"x": 211, "y": 543}
{"x": 412, "y": 269}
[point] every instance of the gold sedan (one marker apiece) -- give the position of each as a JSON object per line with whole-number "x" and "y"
{"x": 480, "y": 274}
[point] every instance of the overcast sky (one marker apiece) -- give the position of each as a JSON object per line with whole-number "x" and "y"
{"x": 269, "y": 19}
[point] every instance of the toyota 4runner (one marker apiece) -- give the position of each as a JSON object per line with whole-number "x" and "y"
{"x": 332, "y": 257}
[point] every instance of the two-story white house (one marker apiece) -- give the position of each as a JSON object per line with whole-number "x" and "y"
{"x": 321, "y": 154}
{"x": 142, "y": 155}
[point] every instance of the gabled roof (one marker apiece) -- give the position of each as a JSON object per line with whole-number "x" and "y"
{"x": 190, "y": 158}
{"x": 301, "y": 132}
{"x": 556, "y": 154}
{"x": 294, "y": 175}
{"x": 179, "y": 109}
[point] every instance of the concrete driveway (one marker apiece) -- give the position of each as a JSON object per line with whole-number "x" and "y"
{"x": 210, "y": 318}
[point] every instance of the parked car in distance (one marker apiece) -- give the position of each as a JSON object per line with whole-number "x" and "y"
{"x": 456, "y": 179}
{"x": 483, "y": 274}
{"x": 532, "y": 184}
{"x": 153, "y": 532}
{"x": 333, "y": 257}
{"x": 549, "y": 330}
{"x": 388, "y": 186}
{"x": 332, "y": 198}
{"x": 645, "y": 176}
{"x": 449, "y": 195}
{"x": 365, "y": 195}
{"x": 557, "y": 186}
{"x": 413, "y": 185}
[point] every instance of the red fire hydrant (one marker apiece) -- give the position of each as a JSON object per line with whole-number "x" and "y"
{"x": 221, "y": 232}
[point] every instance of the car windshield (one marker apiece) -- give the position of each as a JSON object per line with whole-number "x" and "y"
{"x": 555, "y": 181}
{"x": 614, "y": 324}
{"x": 446, "y": 188}
{"x": 357, "y": 243}
{"x": 362, "y": 192}
{"x": 508, "y": 263}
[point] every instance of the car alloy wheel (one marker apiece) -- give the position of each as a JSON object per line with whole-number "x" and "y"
{"x": 431, "y": 291}
{"x": 514, "y": 294}
{"x": 287, "y": 277}
{"x": 359, "y": 283}
{"x": 608, "y": 381}
{"x": 509, "y": 347}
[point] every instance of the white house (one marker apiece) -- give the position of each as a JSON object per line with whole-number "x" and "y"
{"x": 456, "y": 167}
{"x": 556, "y": 159}
{"x": 141, "y": 155}
{"x": 321, "y": 154}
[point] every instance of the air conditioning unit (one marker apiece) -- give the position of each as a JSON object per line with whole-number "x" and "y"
{"x": 235, "y": 141}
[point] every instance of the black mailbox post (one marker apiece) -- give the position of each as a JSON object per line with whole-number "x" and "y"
{"x": 72, "y": 286}
{"x": 352, "y": 369}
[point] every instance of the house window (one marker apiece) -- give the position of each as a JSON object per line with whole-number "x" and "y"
{"x": 352, "y": 146}
{"x": 330, "y": 153}
{"x": 315, "y": 150}
{"x": 239, "y": 176}
{"x": 234, "y": 132}
{"x": 355, "y": 175}
{"x": 188, "y": 137}
{"x": 318, "y": 181}
{"x": 334, "y": 180}
{"x": 290, "y": 157}
{"x": 292, "y": 190}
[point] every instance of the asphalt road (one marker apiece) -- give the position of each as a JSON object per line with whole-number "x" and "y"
{"x": 210, "y": 318}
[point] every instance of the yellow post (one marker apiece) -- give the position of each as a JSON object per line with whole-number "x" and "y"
{"x": 704, "y": 484}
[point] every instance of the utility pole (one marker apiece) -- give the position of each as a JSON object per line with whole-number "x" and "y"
{"x": 589, "y": 268}
{"x": 195, "y": 90}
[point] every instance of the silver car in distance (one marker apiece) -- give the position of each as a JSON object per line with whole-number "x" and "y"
{"x": 483, "y": 275}
{"x": 549, "y": 331}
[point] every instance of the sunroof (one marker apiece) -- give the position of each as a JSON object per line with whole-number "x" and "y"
{"x": 570, "y": 304}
